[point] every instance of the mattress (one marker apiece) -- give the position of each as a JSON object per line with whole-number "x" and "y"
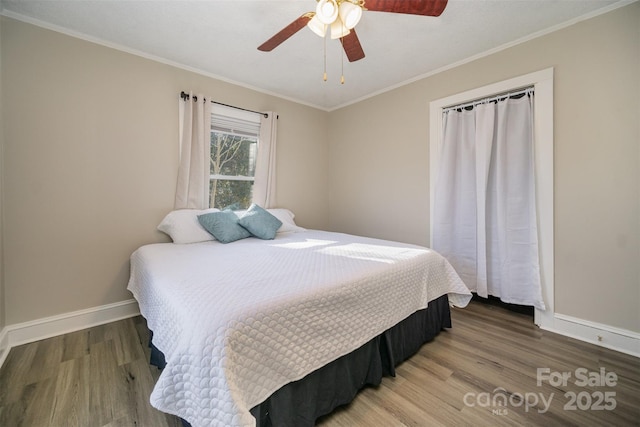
{"x": 236, "y": 322}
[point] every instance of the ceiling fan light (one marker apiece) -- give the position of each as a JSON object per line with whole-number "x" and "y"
{"x": 327, "y": 11}
{"x": 350, "y": 14}
{"x": 338, "y": 30}
{"x": 317, "y": 27}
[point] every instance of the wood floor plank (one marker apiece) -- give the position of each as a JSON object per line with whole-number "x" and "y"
{"x": 46, "y": 360}
{"x": 140, "y": 384}
{"x": 403, "y": 411}
{"x": 37, "y": 403}
{"x": 126, "y": 343}
{"x": 12, "y": 380}
{"x": 72, "y": 394}
{"x": 105, "y": 378}
{"x": 442, "y": 409}
{"x": 75, "y": 345}
{"x": 420, "y": 383}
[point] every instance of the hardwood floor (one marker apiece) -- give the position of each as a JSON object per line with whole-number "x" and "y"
{"x": 94, "y": 377}
{"x": 490, "y": 358}
{"x": 483, "y": 371}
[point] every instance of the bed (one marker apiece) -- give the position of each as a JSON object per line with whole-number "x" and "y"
{"x": 259, "y": 332}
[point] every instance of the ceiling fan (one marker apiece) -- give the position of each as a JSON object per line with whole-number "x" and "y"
{"x": 339, "y": 17}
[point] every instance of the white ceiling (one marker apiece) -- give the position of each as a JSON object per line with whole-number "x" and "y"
{"x": 220, "y": 38}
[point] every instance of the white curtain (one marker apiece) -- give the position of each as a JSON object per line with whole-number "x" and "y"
{"x": 485, "y": 220}
{"x": 264, "y": 187}
{"x": 192, "y": 188}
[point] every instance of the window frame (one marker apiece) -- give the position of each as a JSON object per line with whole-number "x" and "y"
{"x": 236, "y": 122}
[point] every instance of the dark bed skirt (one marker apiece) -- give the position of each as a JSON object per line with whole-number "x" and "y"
{"x": 301, "y": 402}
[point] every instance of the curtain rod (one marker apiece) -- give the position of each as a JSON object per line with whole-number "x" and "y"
{"x": 185, "y": 96}
{"x": 490, "y": 99}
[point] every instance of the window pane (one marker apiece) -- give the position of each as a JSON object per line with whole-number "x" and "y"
{"x": 231, "y": 194}
{"x": 233, "y": 155}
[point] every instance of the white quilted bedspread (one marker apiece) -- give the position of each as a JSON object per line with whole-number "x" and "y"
{"x": 238, "y": 321}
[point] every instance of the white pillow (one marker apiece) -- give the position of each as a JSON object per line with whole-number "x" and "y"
{"x": 183, "y": 227}
{"x": 286, "y": 216}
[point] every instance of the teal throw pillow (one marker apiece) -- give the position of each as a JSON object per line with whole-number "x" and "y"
{"x": 223, "y": 226}
{"x": 260, "y": 223}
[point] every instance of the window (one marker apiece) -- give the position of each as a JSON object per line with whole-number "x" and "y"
{"x": 234, "y": 149}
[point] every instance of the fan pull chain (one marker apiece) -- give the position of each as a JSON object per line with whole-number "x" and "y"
{"x": 325, "y": 59}
{"x": 342, "y": 56}
{"x": 342, "y": 66}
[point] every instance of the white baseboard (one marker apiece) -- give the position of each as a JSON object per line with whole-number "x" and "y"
{"x": 610, "y": 337}
{"x": 4, "y": 345}
{"x": 35, "y": 330}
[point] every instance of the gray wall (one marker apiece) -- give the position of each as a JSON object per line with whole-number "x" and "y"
{"x": 379, "y": 156}
{"x": 91, "y": 157}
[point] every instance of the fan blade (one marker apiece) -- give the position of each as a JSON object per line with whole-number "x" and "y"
{"x": 412, "y": 7}
{"x": 352, "y": 46}
{"x": 285, "y": 33}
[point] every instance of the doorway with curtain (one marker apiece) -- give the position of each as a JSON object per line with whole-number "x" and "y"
{"x": 543, "y": 115}
{"x": 484, "y": 213}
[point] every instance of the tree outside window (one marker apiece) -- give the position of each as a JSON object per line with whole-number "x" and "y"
{"x": 233, "y": 159}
